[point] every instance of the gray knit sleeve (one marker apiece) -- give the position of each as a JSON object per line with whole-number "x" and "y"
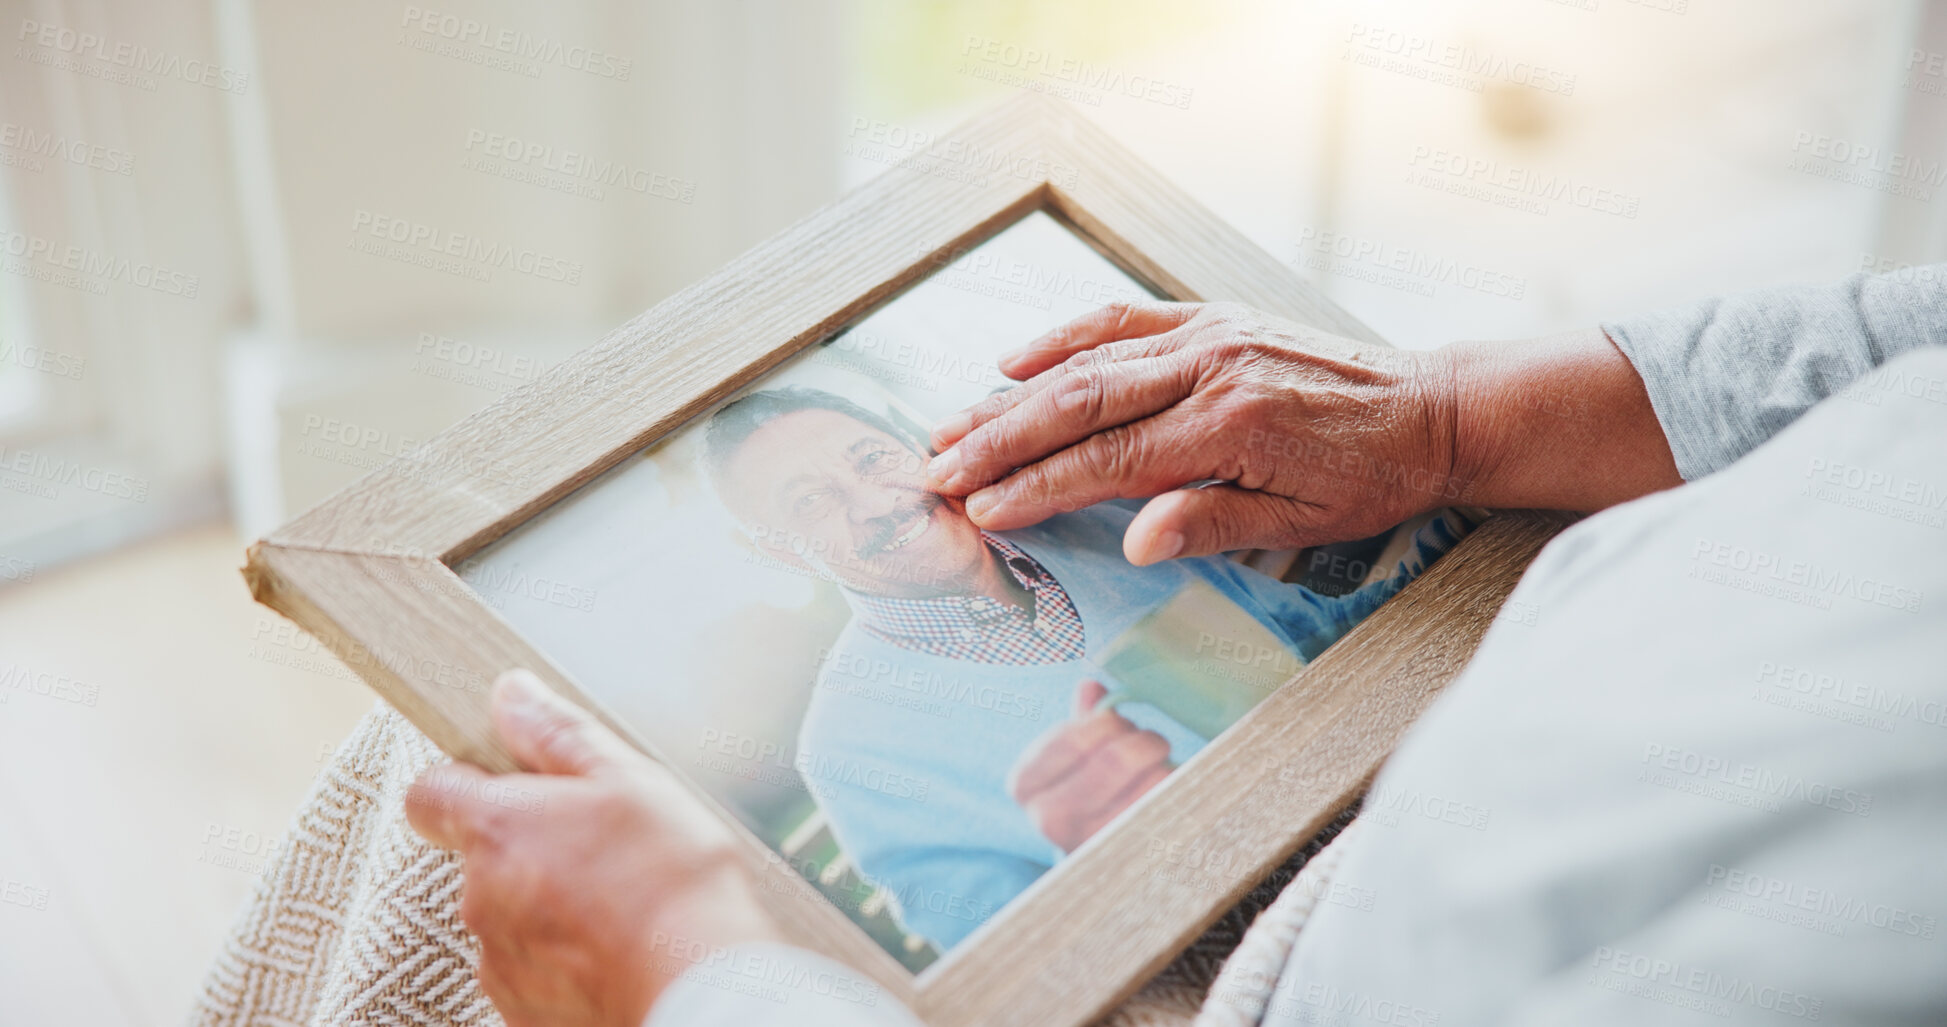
{"x": 1726, "y": 374}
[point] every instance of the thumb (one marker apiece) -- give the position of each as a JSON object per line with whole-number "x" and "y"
{"x": 547, "y": 733}
{"x": 1087, "y": 695}
{"x": 1214, "y": 519}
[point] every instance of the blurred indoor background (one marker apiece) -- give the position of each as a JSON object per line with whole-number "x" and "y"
{"x": 203, "y": 328}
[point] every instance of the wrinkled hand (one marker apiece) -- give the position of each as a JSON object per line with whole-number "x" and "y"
{"x": 1317, "y": 438}
{"x": 1078, "y": 776}
{"x": 588, "y": 880}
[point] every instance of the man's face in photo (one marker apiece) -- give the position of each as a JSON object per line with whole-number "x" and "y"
{"x": 838, "y": 494}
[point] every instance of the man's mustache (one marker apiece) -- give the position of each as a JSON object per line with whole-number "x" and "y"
{"x": 885, "y": 527}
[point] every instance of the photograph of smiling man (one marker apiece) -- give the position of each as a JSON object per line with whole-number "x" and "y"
{"x": 920, "y": 717}
{"x": 939, "y": 606}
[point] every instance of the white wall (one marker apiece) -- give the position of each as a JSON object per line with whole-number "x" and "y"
{"x": 701, "y": 128}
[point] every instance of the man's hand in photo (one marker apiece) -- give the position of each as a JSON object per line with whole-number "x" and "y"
{"x": 589, "y": 880}
{"x": 1077, "y": 777}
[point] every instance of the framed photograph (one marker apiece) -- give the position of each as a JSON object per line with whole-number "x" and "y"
{"x": 711, "y": 530}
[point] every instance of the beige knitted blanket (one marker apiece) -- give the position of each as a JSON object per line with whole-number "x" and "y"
{"x": 357, "y": 920}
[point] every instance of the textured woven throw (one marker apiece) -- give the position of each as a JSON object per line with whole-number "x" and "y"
{"x": 357, "y": 919}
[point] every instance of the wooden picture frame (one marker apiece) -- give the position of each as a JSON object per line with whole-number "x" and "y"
{"x": 369, "y": 570}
